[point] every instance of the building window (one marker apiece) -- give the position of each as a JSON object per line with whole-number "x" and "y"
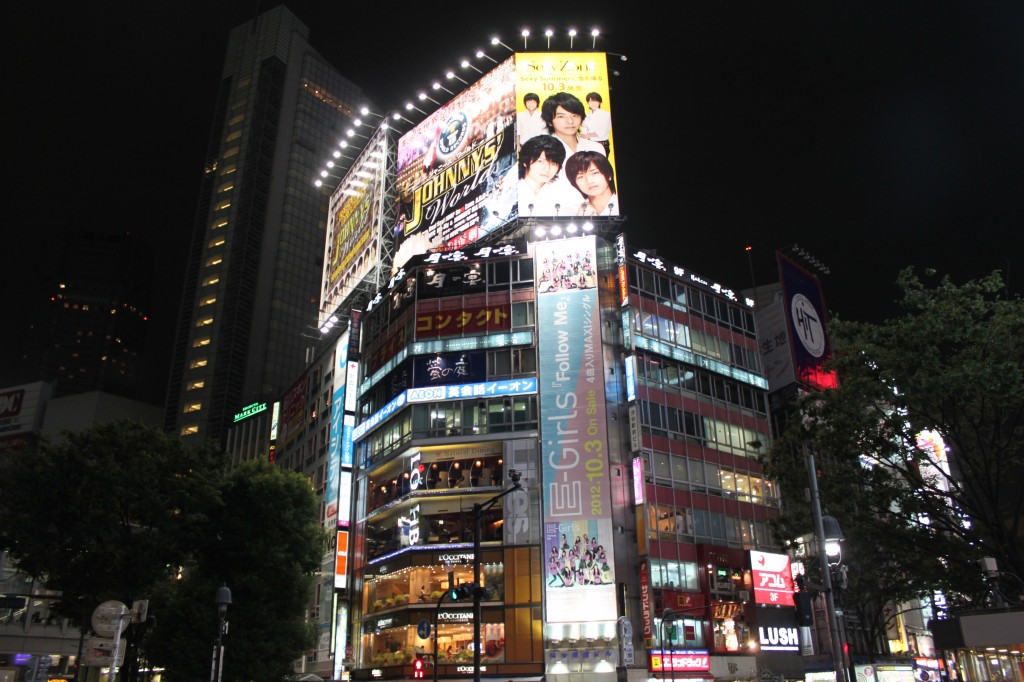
{"x": 193, "y": 407}
{"x": 201, "y": 341}
{"x": 212, "y": 279}
{"x": 197, "y": 363}
{"x": 208, "y": 300}
{"x": 214, "y": 243}
{"x": 190, "y": 430}
{"x": 204, "y": 321}
{"x": 193, "y": 385}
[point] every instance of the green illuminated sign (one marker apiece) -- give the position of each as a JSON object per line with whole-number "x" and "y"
{"x": 250, "y": 410}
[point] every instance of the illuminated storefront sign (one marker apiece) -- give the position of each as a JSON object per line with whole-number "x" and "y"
{"x": 465, "y": 320}
{"x": 480, "y": 390}
{"x": 427, "y": 394}
{"x": 777, "y": 629}
{"x": 579, "y": 578}
{"x": 250, "y": 410}
{"x": 683, "y": 275}
{"x": 773, "y": 578}
{"x": 449, "y": 368}
{"x": 685, "y": 661}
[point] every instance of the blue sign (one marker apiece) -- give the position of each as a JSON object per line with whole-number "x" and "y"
{"x": 423, "y": 629}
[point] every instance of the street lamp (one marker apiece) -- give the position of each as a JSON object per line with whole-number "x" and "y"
{"x": 223, "y": 601}
{"x": 823, "y": 558}
{"x": 478, "y": 510}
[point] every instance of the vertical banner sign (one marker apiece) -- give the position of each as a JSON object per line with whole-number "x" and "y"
{"x": 646, "y": 607}
{"x": 805, "y": 313}
{"x": 341, "y": 560}
{"x": 580, "y": 577}
{"x": 337, "y": 430}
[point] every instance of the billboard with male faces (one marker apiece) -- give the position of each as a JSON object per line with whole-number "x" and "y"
{"x": 531, "y": 138}
{"x": 566, "y": 153}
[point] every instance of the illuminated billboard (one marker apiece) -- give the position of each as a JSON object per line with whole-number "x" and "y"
{"x": 451, "y": 166}
{"x": 578, "y": 542}
{"x": 807, "y": 320}
{"x": 566, "y": 158}
{"x": 354, "y": 224}
{"x": 773, "y": 578}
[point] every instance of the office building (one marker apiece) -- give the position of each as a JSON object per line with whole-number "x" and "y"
{"x": 91, "y": 333}
{"x": 547, "y": 437}
{"x": 253, "y": 275}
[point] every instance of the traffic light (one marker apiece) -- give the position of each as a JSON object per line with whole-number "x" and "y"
{"x": 465, "y": 591}
{"x": 417, "y": 667}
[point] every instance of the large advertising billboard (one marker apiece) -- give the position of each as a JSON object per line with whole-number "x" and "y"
{"x": 580, "y": 575}
{"x": 451, "y": 166}
{"x": 564, "y": 135}
{"x": 531, "y": 138}
{"x": 354, "y": 224}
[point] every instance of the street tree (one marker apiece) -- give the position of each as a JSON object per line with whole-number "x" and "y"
{"x": 267, "y": 545}
{"x": 105, "y": 513}
{"x": 919, "y": 449}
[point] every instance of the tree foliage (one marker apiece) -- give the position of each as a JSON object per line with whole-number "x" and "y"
{"x": 266, "y": 545}
{"x": 124, "y": 511}
{"x": 918, "y": 512}
{"x": 105, "y": 513}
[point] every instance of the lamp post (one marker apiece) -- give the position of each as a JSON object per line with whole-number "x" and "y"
{"x": 826, "y": 577}
{"x": 223, "y": 601}
{"x": 478, "y": 510}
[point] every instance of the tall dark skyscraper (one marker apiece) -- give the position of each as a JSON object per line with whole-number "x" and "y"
{"x": 91, "y": 333}
{"x": 252, "y": 284}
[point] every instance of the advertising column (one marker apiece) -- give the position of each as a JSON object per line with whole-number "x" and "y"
{"x": 579, "y": 577}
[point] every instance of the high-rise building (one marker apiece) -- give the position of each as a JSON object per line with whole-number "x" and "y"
{"x": 90, "y": 334}
{"x": 253, "y": 276}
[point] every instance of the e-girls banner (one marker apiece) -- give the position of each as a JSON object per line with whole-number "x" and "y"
{"x": 580, "y": 584}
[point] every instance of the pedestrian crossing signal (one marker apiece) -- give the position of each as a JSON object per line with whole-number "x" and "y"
{"x": 417, "y": 668}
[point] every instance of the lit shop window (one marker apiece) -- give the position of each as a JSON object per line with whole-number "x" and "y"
{"x": 195, "y": 385}
{"x": 197, "y": 363}
{"x": 193, "y": 407}
{"x": 190, "y": 430}
{"x": 201, "y": 341}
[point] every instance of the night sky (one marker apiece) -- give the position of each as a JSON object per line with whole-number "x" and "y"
{"x": 875, "y": 135}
